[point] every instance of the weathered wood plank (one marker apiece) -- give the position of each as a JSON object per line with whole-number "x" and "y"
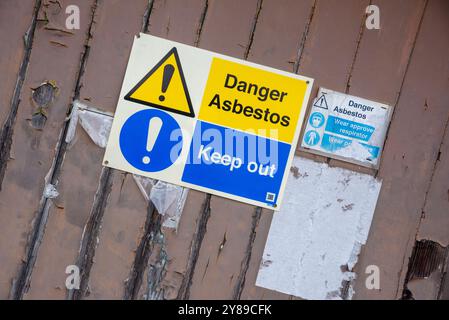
{"x": 83, "y": 159}
{"x": 412, "y": 145}
{"x": 383, "y": 52}
{"x": 33, "y": 150}
{"x": 283, "y": 23}
{"x": 15, "y": 19}
{"x": 435, "y": 222}
{"x": 173, "y": 21}
{"x": 319, "y": 61}
{"x": 227, "y": 29}
{"x": 414, "y": 166}
{"x": 120, "y": 232}
{"x": 133, "y": 229}
{"x": 178, "y": 23}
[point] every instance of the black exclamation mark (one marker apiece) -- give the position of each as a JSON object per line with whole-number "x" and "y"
{"x": 168, "y": 74}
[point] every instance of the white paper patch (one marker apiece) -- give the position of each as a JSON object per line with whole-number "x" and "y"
{"x": 321, "y": 227}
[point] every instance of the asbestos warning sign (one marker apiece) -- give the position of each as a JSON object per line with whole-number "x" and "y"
{"x": 206, "y": 121}
{"x": 347, "y": 128}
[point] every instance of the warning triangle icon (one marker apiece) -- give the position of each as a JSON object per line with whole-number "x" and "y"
{"x": 164, "y": 87}
{"x": 321, "y": 102}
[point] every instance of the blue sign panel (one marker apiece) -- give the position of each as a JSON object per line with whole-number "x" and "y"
{"x": 235, "y": 162}
{"x": 333, "y": 143}
{"x": 349, "y": 128}
{"x": 150, "y": 140}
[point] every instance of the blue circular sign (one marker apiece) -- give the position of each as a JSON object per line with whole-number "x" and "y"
{"x": 316, "y": 120}
{"x": 312, "y": 138}
{"x": 151, "y": 140}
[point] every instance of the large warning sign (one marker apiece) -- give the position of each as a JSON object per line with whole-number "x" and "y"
{"x": 207, "y": 121}
{"x": 346, "y": 127}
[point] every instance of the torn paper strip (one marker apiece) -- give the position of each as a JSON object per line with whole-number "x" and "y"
{"x": 144, "y": 184}
{"x": 168, "y": 199}
{"x": 315, "y": 238}
{"x": 173, "y": 214}
{"x": 95, "y": 122}
{"x": 97, "y": 126}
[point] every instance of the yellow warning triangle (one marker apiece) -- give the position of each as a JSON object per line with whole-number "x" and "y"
{"x": 164, "y": 87}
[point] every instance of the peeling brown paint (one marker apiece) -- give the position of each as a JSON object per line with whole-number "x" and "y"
{"x": 42, "y": 97}
{"x": 405, "y": 182}
{"x": 208, "y": 244}
{"x": 41, "y": 163}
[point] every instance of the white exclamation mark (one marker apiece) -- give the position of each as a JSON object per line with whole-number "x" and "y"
{"x": 154, "y": 127}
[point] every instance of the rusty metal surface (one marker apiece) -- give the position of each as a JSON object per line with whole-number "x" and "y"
{"x": 101, "y": 222}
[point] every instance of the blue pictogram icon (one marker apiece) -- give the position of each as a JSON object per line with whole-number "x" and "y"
{"x": 316, "y": 120}
{"x": 151, "y": 140}
{"x": 312, "y": 138}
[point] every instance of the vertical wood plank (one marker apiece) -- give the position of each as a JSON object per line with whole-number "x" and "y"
{"x": 33, "y": 150}
{"x": 15, "y": 19}
{"x": 411, "y": 148}
{"x": 435, "y": 221}
{"x": 114, "y": 22}
{"x": 226, "y": 30}
{"x": 104, "y": 280}
{"x": 320, "y": 61}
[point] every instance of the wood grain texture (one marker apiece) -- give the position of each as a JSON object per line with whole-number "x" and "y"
{"x": 226, "y": 29}
{"x": 216, "y": 251}
{"x": 410, "y": 152}
{"x": 83, "y": 160}
{"x": 33, "y": 150}
{"x": 108, "y": 252}
{"x": 15, "y": 19}
{"x": 435, "y": 221}
{"x": 285, "y": 22}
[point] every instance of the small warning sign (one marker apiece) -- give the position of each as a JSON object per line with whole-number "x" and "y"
{"x": 206, "y": 121}
{"x": 164, "y": 87}
{"x": 321, "y": 102}
{"x": 346, "y": 127}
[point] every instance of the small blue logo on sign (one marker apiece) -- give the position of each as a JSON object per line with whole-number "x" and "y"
{"x": 312, "y": 138}
{"x": 316, "y": 120}
{"x": 151, "y": 140}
